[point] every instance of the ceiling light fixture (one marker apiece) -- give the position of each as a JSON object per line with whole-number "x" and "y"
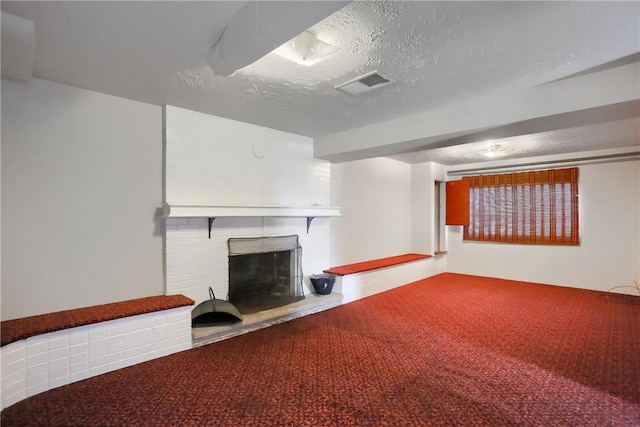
{"x": 494, "y": 150}
{"x": 305, "y": 49}
{"x": 258, "y": 27}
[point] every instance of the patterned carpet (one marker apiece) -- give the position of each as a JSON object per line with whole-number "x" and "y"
{"x": 448, "y": 350}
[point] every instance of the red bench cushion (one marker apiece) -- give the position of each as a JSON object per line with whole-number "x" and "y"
{"x": 25, "y": 327}
{"x": 359, "y": 267}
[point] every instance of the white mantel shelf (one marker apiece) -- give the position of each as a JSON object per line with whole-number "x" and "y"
{"x": 189, "y": 211}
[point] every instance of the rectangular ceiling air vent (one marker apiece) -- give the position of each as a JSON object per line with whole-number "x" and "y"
{"x": 365, "y": 83}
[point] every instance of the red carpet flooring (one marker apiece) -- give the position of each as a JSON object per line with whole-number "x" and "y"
{"x": 449, "y": 350}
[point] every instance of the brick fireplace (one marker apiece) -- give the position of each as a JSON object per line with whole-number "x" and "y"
{"x": 195, "y": 262}
{"x": 253, "y": 182}
{"x": 265, "y": 272}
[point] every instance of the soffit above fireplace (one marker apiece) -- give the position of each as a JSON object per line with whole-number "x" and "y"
{"x": 195, "y": 211}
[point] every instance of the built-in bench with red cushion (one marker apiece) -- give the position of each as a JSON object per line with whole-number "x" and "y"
{"x": 362, "y": 279}
{"x": 50, "y": 350}
{"x": 25, "y": 327}
{"x": 374, "y": 264}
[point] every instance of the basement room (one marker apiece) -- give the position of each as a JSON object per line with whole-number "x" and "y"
{"x": 320, "y": 213}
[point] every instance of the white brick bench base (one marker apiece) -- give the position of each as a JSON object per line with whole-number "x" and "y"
{"x": 360, "y": 285}
{"x": 54, "y": 359}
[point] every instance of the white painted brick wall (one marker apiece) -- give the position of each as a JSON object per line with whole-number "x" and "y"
{"x": 194, "y": 262}
{"x": 361, "y": 285}
{"x": 51, "y": 360}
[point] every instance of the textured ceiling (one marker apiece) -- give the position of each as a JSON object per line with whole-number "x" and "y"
{"x": 439, "y": 53}
{"x": 591, "y": 137}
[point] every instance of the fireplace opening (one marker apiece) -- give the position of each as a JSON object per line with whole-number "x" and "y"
{"x": 264, "y": 272}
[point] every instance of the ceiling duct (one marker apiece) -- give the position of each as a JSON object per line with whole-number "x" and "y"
{"x": 365, "y": 83}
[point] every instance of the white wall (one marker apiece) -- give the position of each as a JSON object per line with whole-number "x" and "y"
{"x": 216, "y": 161}
{"x": 375, "y": 196}
{"x": 609, "y": 252}
{"x": 421, "y": 208}
{"x": 423, "y": 216}
{"x": 81, "y": 181}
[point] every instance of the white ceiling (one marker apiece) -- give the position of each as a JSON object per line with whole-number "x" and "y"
{"x": 439, "y": 53}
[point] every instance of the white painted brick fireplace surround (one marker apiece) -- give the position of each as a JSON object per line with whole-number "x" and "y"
{"x": 213, "y": 162}
{"x": 195, "y": 262}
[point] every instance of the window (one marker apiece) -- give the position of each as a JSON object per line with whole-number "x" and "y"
{"x": 538, "y": 207}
